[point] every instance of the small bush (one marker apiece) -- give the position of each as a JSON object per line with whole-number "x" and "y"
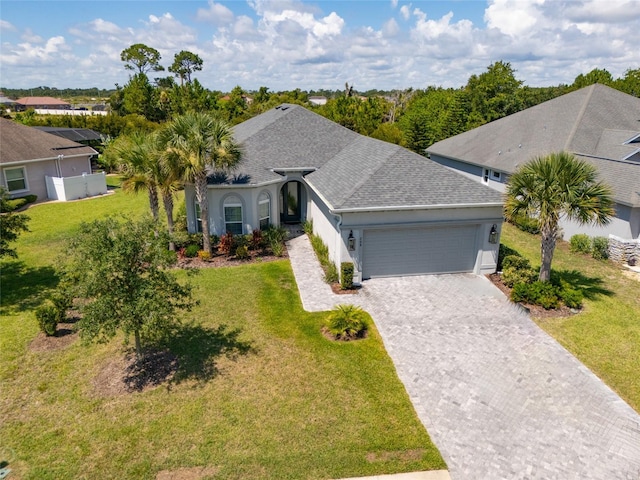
{"x": 503, "y": 252}
{"x": 600, "y": 248}
{"x": 580, "y": 243}
{"x": 277, "y": 248}
{"x": 62, "y": 302}
{"x": 275, "y": 234}
{"x": 257, "y": 240}
{"x": 242, "y": 252}
{"x": 47, "y": 316}
{"x": 307, "y": 227}
{"x": 544, "y": 294}
{"x": 191, "y": 250}
{"x": 346, "y": 275}
{"x": 227, "y": 243}
{"x": 516, "y": 269}
{"x": 16, "y": 203}
{"x": 347, "y": 322}
{"x": 204, "y": 255}
{"x": 571, "y": 297}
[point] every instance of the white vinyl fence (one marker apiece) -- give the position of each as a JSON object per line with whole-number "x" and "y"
{"x": 72, "y": 188}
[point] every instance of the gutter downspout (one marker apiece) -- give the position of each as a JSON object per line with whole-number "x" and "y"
{"x": 58, "y": 168}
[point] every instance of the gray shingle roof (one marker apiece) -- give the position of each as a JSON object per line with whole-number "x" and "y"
{"x": 594, "y": 122}
{"x": 20, "y": 143}
{"x": 349, "y": 170}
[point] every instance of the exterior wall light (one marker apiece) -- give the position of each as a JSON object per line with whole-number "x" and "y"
{"x": 493, "y": 234}
{"x": 351, "y": 242}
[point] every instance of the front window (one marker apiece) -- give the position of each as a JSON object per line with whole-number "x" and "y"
{"x": 264, "y": 211}
{"x": 16, "y": 179}
{"x": 233, "y": 217}
{"x": 496, "y": 175}
{"x": 485, "y": 176}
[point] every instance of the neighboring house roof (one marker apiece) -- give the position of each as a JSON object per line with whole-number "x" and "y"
{"x": 73, "y": 134}
{"x": 19, "y": 143}
{"x": 35, "y": 101}
{"x": 595, "y": 123}
{"x": 6, "y": 100}
{"x": 348, "y": 170}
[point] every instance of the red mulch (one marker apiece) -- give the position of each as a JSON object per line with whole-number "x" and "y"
{"x": 219, "y": 260}
{"x": 536, "y": 311}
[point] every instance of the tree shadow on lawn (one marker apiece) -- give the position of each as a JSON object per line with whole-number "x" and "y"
{"x": 197, "y": 348}
{"x": 23, "y": 287}
{"x": 591, "y": 287}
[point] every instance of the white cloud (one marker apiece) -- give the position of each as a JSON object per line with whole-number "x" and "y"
{"x": 390, "y": 28}
{"x": 405, "y": 11}
{"x": 216, "y": 14}
{"x": 394, "y": 3}
{"x": 7, "y": 26}
{"x": 29, "y": 36}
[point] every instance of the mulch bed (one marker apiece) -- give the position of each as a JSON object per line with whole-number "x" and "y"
{"x": 335, "y": 287}
{"x": 536, "y": 311}
{"x": 65, "y": 336}
{"x": 219, "y": 260}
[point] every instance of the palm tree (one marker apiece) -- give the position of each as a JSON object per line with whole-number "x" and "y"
{"x": 168, "y": 178}
{"x": 136, "y": 157}
{"x": 554, "y": 186}
{"x": 203, "y": 143}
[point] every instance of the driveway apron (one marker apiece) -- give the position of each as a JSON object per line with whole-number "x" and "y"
{"x": 500, "y": 398}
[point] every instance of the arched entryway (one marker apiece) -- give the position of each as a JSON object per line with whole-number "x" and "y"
{"x": 291, "y": 200}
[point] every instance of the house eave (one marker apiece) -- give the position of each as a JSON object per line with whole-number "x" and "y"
{"x": 46, "y": 159}
{"x": 415, "y": 207}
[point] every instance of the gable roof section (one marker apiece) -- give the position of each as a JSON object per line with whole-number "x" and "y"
{"x": 35, "y": 101}
{"x": 19, "y": 143}
{"x": 595, "y": 122}
{"x": 349, "y": 170}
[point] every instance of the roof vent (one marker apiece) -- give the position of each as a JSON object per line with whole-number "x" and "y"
{"x": 278, "y": 107}
{"x": 284, "y": 108}
{"x": 499, "y": 152}
{"x": 519, "y": 145}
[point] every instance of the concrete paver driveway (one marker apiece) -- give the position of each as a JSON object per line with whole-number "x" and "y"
{"x": 500, "y": 398}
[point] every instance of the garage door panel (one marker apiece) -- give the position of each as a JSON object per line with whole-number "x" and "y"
{"x": 415, "y": 251}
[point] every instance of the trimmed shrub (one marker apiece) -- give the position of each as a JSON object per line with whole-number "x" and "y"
{"x": 62, "y": 302}
{"x": 544, "y": 294}
{"x": 47, "y": 316}
{"x": 242, "y": 252}
{"x": 571, "y": 297}
{"x": 346, "y": 275}
{"x": 277, "y": 248}
{"x": 191, "y": 250}
{"x": 347, "y": 322}
{"x": 580, "y": 243}
{"x": 517, "y": 269}
{"x": 204, "y": 255}
{"x": 504, "y": 251}
{"x": 600, "y": 248}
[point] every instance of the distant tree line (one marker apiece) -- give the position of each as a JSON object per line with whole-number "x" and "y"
{"x": 57, "y": 92}
{"x": 414, "y": 118}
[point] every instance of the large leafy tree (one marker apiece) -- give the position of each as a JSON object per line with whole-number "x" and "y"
{"x": 119, "y": 269}
{"x": 554, "y": 186}
{"x": 203, "y": 143}
{"x": 11, "y": 226}
{"x": 141, "y": 58}
{"x": 184, "y": 64}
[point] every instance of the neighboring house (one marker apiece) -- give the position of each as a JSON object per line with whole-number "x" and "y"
{"x": 597, "y": 124}
{"x": 33, "y": 162}
{"x": 42, "y": 103}
{"x": 317, "y": 100}
{"x": 386, "y": 209}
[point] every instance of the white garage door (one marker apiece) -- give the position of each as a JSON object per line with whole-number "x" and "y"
{"x": 416, "y": 251}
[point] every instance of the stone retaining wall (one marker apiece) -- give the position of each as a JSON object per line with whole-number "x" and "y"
{"x": 621, "y": 250}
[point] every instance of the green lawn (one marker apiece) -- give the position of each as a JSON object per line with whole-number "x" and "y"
{"x": 260, "y": 393}
{"x": 605, "y": 336}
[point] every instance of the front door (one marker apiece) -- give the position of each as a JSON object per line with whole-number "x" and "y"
{"x": 290, "y": 207}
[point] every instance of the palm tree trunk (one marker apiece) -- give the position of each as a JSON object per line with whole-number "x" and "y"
{"x": 154, "y": 204}
{"x": 167, "y": 200}
{"x": 549, "y": 233}
{"x": 201, "y": 195}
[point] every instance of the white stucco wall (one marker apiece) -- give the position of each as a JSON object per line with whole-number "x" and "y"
{"x": 626, "y": 225}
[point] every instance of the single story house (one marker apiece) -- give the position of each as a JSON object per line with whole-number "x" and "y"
{"x": 33, "y": 162}
{"x": 386, "y": 209}
{"x": 597, "y": 123}
{"x": 43, "y": 103}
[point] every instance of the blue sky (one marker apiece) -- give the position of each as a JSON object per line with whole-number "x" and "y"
{"x": 288, "y": 44}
